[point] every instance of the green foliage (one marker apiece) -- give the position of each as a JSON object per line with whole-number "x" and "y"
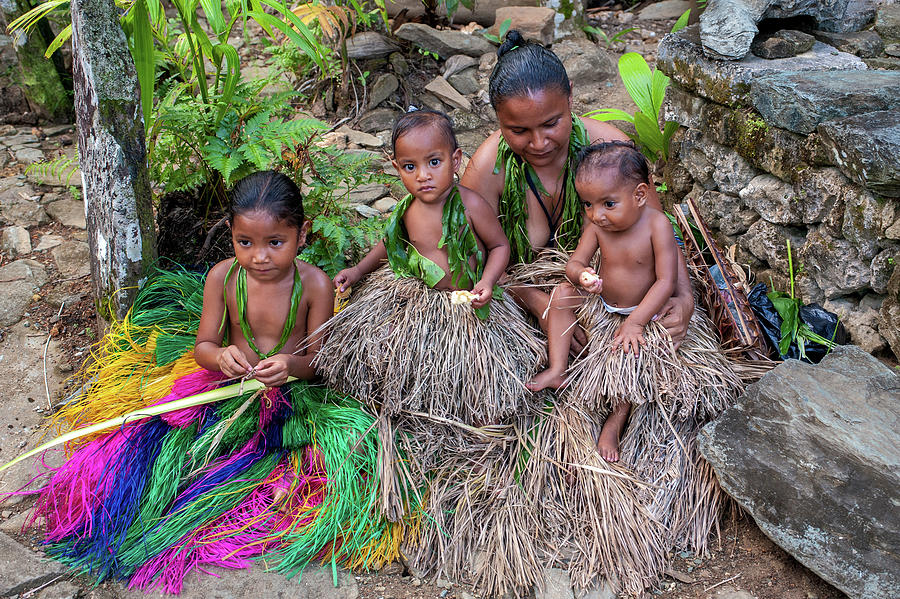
{"x": 648, "y": 90}
{"x": 682, "y": 21}
{"x": 451, "y": 5}
{"x": 497, "y": 39}
{"x": 59, "y": 169}
{"x": 792, "y": 328}
{"x": 339, "y": 236}
{"x": 599, "y": 34}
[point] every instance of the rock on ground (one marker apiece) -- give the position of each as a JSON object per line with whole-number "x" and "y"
{"x": 811, "y": 453}
{"x": 22, "y": 570}
{"x": 19, "y": 281}
{"x": 444, "y": 43}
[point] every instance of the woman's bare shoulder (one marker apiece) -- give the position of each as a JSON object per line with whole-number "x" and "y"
{"x": 599, "y": 131}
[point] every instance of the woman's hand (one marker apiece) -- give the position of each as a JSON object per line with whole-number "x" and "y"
{"x": 232, "y": 362}
{"x": 273, "y": 371}
{"x": 347, "y": 278}
{"x": 675, "y": 316}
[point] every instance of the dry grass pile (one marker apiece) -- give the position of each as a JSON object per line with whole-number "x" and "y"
{"x": 400, "y": 346}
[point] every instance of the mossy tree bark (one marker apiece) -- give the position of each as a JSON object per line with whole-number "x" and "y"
{"x": 112, "y": 155}
{"x": 39, "y": 77}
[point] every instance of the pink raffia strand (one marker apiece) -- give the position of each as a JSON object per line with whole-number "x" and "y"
{"x": 256, "y": 526}
{"x": 79, "y": 486}
{"x": 192, "y": 383}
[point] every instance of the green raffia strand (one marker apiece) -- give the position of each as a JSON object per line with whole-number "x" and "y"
{"x": 146, "y": 412}
{"x": 456, "y": 236}
{"x": 347, "y": 438}
{"x": 514, "y": 205}
{"x": 240, "y": 297}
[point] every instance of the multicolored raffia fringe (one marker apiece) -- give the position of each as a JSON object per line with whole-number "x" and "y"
{"x": 288, "y": 475}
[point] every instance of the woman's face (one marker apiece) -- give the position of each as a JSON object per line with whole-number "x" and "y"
{"x": 537, "y": 126}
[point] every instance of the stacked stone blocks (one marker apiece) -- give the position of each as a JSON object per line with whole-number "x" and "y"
{"x": 801, "y": 148}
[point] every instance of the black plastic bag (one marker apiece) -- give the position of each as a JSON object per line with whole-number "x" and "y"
{"x": 821, "y": 321}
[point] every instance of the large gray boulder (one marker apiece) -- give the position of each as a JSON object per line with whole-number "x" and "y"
{"x": 444, "y": 42}
{"x": 798, "y": 102}
{"x": 866, "y": 147}
{"x": 727, "y": 27}
{"x": 811, "y": 452}
{"x": 681, "y": 57}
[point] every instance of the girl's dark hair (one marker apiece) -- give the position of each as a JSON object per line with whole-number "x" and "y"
{"x": 524, "y": 68}
{"x": 620, "y": 156}
{"x": 269, "y": 192}
{"x": 424, "y": 118}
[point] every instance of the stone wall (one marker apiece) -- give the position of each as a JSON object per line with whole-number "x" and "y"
{"x": 803, "y": 148}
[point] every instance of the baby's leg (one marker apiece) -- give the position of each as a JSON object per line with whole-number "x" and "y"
{"x": 608, "y": 443}
{"x": 536, "y": 302}
{"x": 561, "y": 327}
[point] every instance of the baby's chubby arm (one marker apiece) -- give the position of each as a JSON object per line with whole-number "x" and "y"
{"x": 581, "y": 258}
{"x": 486, "y": 228}
{"x": 208, "y": 350}
{"x": 318, "y": 295}
{"x": 665, "y": 257}
{"x": 349, "y": 276}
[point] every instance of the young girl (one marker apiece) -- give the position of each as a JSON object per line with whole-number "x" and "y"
{"x": 637, "y": 273}
{"x": 404, "y": 352}
{"x": 286, "y": 472}
{"x": 448, "y": 385}
{"x": 265, "y": 300}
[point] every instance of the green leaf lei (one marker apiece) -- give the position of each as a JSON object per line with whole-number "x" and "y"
{"x": 514, "y": 206}
{"x": 240, "y": 297}
{"x": 456, "y": 236}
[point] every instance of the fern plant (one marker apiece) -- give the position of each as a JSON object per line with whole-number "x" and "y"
{"x": 60, "y": 169}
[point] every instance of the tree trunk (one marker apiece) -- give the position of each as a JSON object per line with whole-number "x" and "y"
{"x": 38, "y": 77}
{"x": 112, "y": 155}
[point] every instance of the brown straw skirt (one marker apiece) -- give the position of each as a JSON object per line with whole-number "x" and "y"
{"x": 402, "y": 347}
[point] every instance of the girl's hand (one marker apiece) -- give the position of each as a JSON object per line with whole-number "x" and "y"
{"x": 232, "y": 362}
{"x": 483, "y": 291}
{"x": 590, "y": 282}
{"x": 346, "y": 278}
{"x": 273, "y": 371}
{"x": 630, "y": 337}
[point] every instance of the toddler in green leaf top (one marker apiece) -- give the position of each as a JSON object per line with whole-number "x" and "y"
{"x": 442, "y": 233}
{"x": 404, "y": 342}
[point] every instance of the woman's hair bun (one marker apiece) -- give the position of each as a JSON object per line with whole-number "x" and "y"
{"x": 513, "y": 40}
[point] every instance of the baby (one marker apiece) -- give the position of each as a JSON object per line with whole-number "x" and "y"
{"x": 637, "y": 272}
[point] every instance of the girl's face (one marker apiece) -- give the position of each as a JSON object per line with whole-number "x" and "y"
{"x": 610, "y": 203}
{"x": 537, "y": 126}
{"x": 426, "y": 163}
{"x": 264, "y": 245}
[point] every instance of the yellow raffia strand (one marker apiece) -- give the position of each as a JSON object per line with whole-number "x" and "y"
{"x": 380, "y": 551}
{"x": 341, "y": 299}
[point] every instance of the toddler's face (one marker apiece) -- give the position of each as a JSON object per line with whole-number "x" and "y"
{"x": 609, "y": 202}
{"x": 426, "y": 163}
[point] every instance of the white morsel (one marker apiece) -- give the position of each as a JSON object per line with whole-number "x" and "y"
{"x": 16, "y": 241}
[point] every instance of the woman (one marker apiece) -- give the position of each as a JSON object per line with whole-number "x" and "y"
{"x": 522, "y": 169}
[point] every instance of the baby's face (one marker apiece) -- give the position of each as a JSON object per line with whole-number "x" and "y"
{"x": 611, "y": 203}
{"x": 426, "y": 163}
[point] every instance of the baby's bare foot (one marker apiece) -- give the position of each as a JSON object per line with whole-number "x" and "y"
{"x": 608, "y": 444}
{"x": 547, "y": 380}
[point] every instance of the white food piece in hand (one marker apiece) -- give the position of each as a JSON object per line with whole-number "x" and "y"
{"x": 461, "y": 296}
{"x": 587, "y": 279}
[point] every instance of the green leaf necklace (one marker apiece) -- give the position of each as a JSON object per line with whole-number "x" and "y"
{"x": 240, "y": 297}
